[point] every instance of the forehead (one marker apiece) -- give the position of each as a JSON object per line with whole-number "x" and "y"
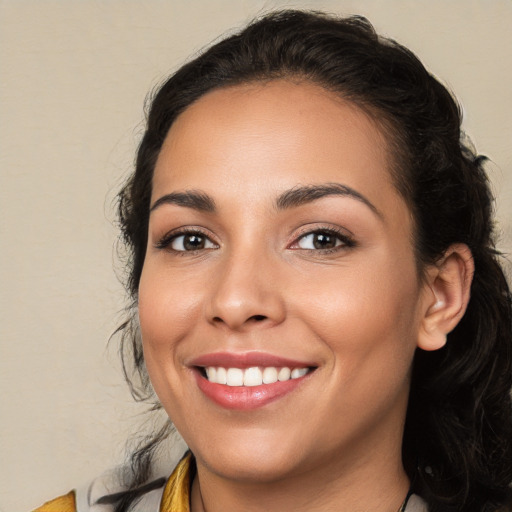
{"x": 271, "y": 136}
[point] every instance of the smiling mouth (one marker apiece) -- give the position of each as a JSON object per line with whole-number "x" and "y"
{"x": 249, "y": 380}
{"x": 253, "y": 376}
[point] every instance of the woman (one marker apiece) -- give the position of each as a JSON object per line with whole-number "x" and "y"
{"x": 316, "y": 295}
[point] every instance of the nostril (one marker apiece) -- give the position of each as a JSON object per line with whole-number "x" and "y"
{"x": 234, "y": 324}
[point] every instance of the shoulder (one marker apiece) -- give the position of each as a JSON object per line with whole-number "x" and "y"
{"x": 415, "y": 504}
{"x": 171, "y": 495}
{"x": 64, "y": 503}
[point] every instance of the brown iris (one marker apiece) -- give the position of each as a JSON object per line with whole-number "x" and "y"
{"x": 193, "y": 242}
{"x": 324, "y": 241}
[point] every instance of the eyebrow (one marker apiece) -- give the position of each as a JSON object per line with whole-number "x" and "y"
{"x": 293, "y": 198}
{"x": 189, "y": 199}
{"x": 304, "y": 194}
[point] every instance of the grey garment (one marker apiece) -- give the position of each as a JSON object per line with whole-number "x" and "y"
{"x": 416, "y": 504}
{"x": 87, "y": 496}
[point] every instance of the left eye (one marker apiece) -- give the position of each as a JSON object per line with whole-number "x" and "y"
{"x": 320, "y": 240}
{"x": 191, "y": 242}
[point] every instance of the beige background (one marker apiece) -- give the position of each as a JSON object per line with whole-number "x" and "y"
{"x": 74, "y": 75}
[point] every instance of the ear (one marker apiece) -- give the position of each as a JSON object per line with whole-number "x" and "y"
{"x": 447, "y": 292}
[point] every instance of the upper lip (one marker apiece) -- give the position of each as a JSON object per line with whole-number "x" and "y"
{"x": 247, "y": 360}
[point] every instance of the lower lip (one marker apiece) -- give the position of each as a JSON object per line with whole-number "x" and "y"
{"x": 246, "y": 397}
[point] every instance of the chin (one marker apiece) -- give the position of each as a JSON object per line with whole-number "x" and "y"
{"x": 253, "y": 460}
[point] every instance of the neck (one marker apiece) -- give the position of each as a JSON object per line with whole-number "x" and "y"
{"x": 365, "y": 485}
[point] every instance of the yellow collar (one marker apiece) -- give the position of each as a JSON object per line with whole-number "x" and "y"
{"x": 176, "y": 496}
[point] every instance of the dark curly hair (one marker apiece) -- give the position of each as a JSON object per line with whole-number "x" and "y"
{"x": 457, "y": 445}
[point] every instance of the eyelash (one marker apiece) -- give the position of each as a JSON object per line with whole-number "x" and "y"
{"x": 346, "y": 240}
{"x": 169, "y": 238}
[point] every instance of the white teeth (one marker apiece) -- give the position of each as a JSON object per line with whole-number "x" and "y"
{"x": 284, "y": 374}
{"x": 254, "y": 376}
{"x": 299, "y": 372}
{"x": 211, "y": 371}
{"x": 221, "y": 377}
{"x": 269, "y": 375}
{"x": 235, "y": 377}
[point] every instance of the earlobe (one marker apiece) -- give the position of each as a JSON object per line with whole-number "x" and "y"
{"x": 447, "y": 293}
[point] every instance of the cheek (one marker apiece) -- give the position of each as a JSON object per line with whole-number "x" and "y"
{"x": 367, "y": 316}
{"x": 168, "y": 305}
{"x": 167, "y": 309}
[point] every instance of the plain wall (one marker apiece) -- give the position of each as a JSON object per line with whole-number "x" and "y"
{"x": 74, "y": 75}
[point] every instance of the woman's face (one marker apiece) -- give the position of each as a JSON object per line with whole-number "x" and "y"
{"x": 278, "y": 244}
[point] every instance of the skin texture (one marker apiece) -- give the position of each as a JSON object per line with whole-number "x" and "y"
{"x": 357, "y": 312}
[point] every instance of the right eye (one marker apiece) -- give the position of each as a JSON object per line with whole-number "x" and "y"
{"x": 191, "y": 242}
{"x": 186, "y": 241}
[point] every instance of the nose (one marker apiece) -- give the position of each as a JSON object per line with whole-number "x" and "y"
{"x": 246, "y": 294}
